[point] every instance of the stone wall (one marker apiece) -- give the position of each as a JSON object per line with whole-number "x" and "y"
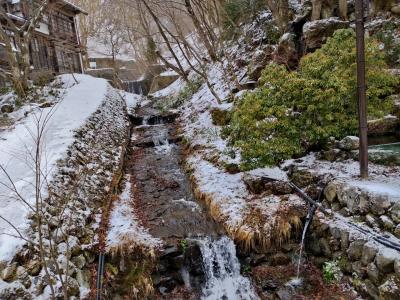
{"x": 78, "y": 193}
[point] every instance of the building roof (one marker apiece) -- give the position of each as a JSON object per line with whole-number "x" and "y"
{"x": 75, "y": 8}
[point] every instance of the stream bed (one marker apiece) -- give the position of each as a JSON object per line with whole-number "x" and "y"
{"x": 198, "y": 261}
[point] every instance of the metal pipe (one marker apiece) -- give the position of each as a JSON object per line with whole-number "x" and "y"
{"x": 99, "y": 281}
{"x": 361, "y": 89}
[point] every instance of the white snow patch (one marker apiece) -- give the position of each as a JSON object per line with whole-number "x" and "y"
{"x": 17, "y": 149}
{"x": 125, "y": 225}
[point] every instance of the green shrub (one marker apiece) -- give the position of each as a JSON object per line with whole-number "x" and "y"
{"x": 331, "y": 272}
{"x": 294, "y": 112}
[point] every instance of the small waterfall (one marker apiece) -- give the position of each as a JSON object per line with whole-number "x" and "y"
{"x": 222, "y": 272}
{"x": 309, "y": 218}
{"x": 134, "y": 87}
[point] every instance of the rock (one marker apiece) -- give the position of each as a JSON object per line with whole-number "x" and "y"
{"x": 396, "y": 9}
{"x": 313, "y": 245}
{"x": 279, "y": 259}
{"x": 356, "y": 249}
{"x": 330, "y": 191}
{"x": 303, "y": 178}
{"x": 317, "y": 32}
{"x": 220, "y": 117}
{"x": 359, "y": 269}
{"x": 83, "y": 278}
{"x": 371, "y": 290}
{"x": 379, "y": 204}
{"x": 286, "y": 53}
{"x": 368, "y": 253}
{"x": 397, "y": 231}
{"x": 387, "y": 222}
{"x": 373, "y": 273}
{"x": 397, "y": 266}
{"x": 73, "y": 287}
{"x": 262, "y": 180}
{"x": 79, "y": 261}
{"x": 395, "y": 212}
{"x": 194, "y": 260}
{"x": 7, "y": 108}
{"x": 232, "y": 168}
{"x": 8, "y": 274}
{"x": 34, "y": 267}
{"x": 331, "y": 155}
{"x": 344, "y": 240}
{"x": 23, "y": 276}
{"x": 285, "y": 293}
{"x": 371, "y": 221}
{"x": 349, "y": 143}
{"x": 385, "y": 260}
{"x": 325, "y": 248}
{"x": 364, "y": 204}
{"x": 390, "y": 289}
{"x": 385, "y": 125}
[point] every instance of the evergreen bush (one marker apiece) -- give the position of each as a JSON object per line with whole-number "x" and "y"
{"x": 295, "y": 112}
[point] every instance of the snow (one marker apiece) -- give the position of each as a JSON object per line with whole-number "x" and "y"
{"x": 125, "y": 226}
{"x": 99, "y": 48}
{"x": 17, "y": 146}
{"x": 132, "y": 100}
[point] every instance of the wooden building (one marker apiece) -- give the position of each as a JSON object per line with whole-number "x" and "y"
{"x": 55, "y": 47}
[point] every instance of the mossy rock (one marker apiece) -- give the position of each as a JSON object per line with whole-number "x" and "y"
{"x": 220, "y": 117}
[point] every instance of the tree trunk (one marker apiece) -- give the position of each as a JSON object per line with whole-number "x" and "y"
{"x": 316, "y": 11}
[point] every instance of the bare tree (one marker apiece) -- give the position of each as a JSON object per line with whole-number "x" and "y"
{"x": 17, "y": 38}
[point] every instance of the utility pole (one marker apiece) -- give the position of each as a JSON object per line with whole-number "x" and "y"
{"x": 361, "y": 89}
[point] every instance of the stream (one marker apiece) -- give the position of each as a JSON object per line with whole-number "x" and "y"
{"x": 198, "y": 257}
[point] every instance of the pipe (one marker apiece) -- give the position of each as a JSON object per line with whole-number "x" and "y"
{"x": 99, "y": 280}
{"x": 361, "y": 89}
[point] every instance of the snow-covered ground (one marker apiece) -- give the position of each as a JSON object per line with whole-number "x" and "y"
{"x": 125, "y": 230}
{"x": 17, "y": 150}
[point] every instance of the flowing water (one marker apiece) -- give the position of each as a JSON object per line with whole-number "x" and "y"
{"x": 170, "y": 212}
{"x": 309, "y": 218}
{"x": 222, "y": 271}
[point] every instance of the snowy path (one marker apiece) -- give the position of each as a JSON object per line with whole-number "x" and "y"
{"x": 17, "y": 147}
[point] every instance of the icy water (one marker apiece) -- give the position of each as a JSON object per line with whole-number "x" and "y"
{"x": 169, "y": 210}
{"x": 222, "y": 270}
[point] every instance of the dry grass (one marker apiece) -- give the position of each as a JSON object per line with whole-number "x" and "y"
{"x": 259, "y": 230}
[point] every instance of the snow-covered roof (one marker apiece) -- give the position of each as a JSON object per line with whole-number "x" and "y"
{"x": 75, "y": 7}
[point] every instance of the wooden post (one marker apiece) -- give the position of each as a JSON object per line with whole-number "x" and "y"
{"x": 362, "y": 99}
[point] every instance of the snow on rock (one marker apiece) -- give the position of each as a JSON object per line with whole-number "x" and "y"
{"x": 17, "y": 147}
{"x": 125, "y": 230}
{"x": 84, "y": 146}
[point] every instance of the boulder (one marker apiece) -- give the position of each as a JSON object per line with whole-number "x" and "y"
{"x": 373, "y": 273}
{"x": 33, "y": 267}
{"x": 385, "y": 125}
{"x": 368, "y": 253}
{"x": 356, "y": 249}
{"x": 396, "y": 10}
{"x": 395, "y": 212}
{"x": 397, "y": 231}
{"x": 317, "y": 32}
{"x": 387, "y": 222}
{"x": 286, "y": 53}
{"x": 330, "y": 191}
{"x": 379, "y": 204}
{"x": 8, "y": 274}
{"x": 385, "y": 260}
{"x": 7, "y": 108}
{"x": 349, "y": 143}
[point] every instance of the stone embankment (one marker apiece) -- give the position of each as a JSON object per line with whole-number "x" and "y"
{"x": 85, "y": 179}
